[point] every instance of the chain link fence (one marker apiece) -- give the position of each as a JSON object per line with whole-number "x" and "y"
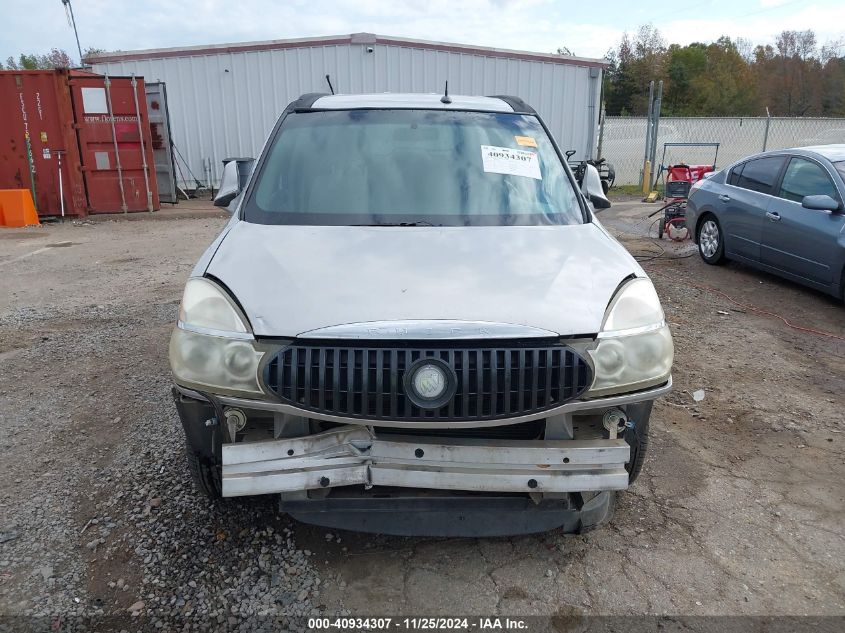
{"x": 623, "y": 141}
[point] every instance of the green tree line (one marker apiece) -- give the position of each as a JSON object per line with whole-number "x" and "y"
{"x": 795, "y": 76}
{"x": 56, "y": 58}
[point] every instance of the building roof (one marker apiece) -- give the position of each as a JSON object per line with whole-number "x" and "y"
{"x": 411, "y": 100}
{"x": 354, "y": 38}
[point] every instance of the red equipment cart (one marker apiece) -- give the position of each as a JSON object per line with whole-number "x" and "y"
{"x": 678, "y": 181}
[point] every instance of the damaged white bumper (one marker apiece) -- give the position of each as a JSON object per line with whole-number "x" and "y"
{"x": 353, "y": 455}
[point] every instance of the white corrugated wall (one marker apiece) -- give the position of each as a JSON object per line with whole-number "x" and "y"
{"x": 225, "y": 104}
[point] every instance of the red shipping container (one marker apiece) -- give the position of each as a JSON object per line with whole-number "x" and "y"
{"x": 89, "y": 122}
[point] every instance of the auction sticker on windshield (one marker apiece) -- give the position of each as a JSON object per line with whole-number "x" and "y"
{"x": 513, "y": 162}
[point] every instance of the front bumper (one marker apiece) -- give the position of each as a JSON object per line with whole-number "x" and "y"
{"x": 355, "y": 455}
{"x": 360, "y": 455}
{"x": 444, "y": 515}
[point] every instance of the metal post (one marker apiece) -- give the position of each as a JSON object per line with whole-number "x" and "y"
{"x": 73, "y": 24}
{"x": 644, "y": 176}
{"x": 211, "y": 176}
{"x": 61, "y": 187}
{"x": 602, "y": 117}
{"x": 595, "y": 76}
{"x": 31, "y": 170}
{"x": 123, "y": 208}
{"x": 655, "y": 172}
{"x": 766, "y": 133}
{"x": 206, "y": 171}
{"x": 143, "y": 149}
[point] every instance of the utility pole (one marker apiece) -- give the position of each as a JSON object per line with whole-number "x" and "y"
{"x": 655, "y": 169}
{"x": 766, "y": 133}
{"x": 646, "y": 171}
{"x": 72, "y": 20}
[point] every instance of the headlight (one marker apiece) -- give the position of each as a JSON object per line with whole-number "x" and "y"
{"x": 634, "y": 349}
{"x": 212, "y": 346}
{"x": 205, "y": 305}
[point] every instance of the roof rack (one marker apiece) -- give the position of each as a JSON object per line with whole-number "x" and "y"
{"x": 306, "y": 101}
{"x": 519, "y": 106}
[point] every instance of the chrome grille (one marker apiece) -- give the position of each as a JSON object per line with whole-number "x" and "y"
{"x": 367, "y": 381}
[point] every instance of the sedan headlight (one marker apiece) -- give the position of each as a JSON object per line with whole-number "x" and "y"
{"x": 212, "y": 346}
{"x": 634, "y": 349}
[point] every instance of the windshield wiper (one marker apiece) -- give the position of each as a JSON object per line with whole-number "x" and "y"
{"x": 415, "y": 223}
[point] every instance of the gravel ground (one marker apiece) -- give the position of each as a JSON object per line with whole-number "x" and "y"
{"x": 102, "y": 517}
{"x": 738, "y": 511}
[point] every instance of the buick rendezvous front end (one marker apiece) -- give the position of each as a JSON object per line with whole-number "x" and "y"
{"x": 414, "y": 324}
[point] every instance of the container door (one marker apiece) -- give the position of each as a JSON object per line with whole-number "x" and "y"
{"x": 114, "y": 142}
{"x": 160, "y": 133}
{"x": 36, "y": 137}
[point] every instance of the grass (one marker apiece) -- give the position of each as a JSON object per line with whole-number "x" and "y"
{"x": 631, "y": 191}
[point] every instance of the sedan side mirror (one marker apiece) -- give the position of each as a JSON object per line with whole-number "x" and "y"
{"x": 592, "y": 189}
{"x": 821, "y": 203}
{"x": 235, "y": 174}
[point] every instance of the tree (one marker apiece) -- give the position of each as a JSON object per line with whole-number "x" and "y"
{"x": 793, "y": 76}
{"x": 726, "y": 85}
{"x": 56, "y": 58}
{"x": 91, "y": 50}
{"x": 833, "y": 87}
{"x": 789, "y": 75}
{"x": 684, "y": 64}
{"x": 633, "y": 65}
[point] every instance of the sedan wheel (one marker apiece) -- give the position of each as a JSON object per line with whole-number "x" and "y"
{"x": 710, "y": 242}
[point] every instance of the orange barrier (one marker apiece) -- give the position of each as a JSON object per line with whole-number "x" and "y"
{"x": 16, "y": 208}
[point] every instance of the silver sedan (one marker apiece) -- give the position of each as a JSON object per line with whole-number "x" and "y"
{"x": 779, "y": 211}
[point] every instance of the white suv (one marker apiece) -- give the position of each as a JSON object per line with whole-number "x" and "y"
{"x": 414, "y": 324}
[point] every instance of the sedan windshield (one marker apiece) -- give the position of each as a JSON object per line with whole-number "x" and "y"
{"x": 412, "y": 168}
{"x": 840, "y": 167}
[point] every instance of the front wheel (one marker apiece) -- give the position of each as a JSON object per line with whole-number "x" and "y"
{"x": 206, "y": 474}
{"x": 711, "y": 242}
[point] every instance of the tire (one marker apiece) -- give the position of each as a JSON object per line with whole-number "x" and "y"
{"x": 661, "y": 226}
{"x": 638, "y": 441}
{"x": 206, "y": 475}
{"x": 605, "y": 186}
{"x": 711, "y": 242}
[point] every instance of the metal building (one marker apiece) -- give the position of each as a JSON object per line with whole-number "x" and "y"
{"x": 223, "y": 100}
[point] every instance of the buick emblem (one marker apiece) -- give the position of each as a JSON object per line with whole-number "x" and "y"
{"x": 430, "y": 383}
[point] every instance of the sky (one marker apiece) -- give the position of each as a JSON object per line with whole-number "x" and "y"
{"x": 588, "y": 29}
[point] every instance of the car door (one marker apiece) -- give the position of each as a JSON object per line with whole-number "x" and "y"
{"x": 742, "y": 205}
{"x": 797, "y": 240}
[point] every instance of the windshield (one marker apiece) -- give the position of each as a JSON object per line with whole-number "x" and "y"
{"x": 840, "y": 167}
{"x": 416, "y": 167}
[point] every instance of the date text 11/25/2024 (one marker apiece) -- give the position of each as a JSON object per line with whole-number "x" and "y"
{"x": 418, "y": 624}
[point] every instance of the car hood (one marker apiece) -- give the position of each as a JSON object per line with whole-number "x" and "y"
{"x": 294, "y": 279}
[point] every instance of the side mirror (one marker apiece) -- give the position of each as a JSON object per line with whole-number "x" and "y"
{"x": 592, "y": 189}
{"x": 235, "y": 174}
{"x": 821, "y": 203}
{"x": 229, "y": 185}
